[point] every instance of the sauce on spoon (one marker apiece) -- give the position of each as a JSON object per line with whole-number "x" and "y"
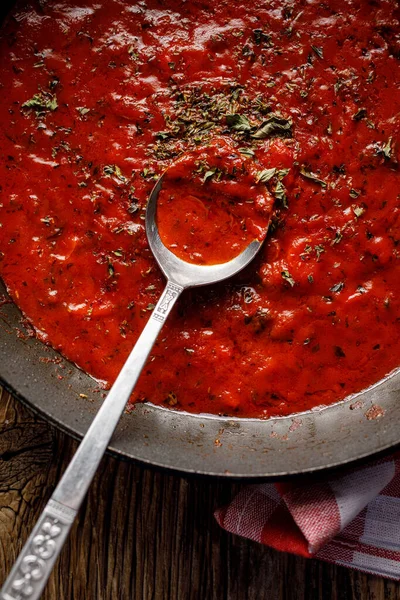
{"x": 211, "y": 205}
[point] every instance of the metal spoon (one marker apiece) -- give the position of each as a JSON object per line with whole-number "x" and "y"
{"x": 36, "y": 560}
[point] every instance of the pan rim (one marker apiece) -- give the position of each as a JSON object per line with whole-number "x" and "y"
{"x": 120, "y": 455}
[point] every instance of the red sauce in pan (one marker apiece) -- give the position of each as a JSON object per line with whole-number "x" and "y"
{"x": 99, "y": 98}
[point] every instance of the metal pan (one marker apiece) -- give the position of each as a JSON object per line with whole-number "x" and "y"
{"x": 202, "y": 444}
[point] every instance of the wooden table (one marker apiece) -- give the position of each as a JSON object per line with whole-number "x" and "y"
{"x": 144, "y": 535}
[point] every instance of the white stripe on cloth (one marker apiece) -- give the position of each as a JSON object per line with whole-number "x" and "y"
{"x": 354, "y": 491}
{"x": 382, "y": 521}
{"x": 378, "y": 565}
{"x": 269, "y": 490}
{"x": 249, "y": 515}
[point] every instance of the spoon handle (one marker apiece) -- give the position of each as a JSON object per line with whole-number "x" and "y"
{"x": 35, "y": 562}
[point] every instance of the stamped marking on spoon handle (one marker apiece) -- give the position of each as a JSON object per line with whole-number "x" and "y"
{"x": 36, "y": 560}
{"x": 170, "y": 294}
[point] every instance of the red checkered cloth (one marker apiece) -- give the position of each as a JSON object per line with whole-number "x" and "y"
{"x": 351, "y": 518}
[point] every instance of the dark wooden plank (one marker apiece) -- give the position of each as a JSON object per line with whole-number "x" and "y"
{"x": 144, "y": 535}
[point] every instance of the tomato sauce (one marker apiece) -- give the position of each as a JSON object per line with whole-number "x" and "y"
{"x": 211, "y": 205}
{"x": 99, "y": 98}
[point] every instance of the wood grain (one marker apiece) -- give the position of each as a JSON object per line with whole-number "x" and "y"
{"x": 145, "y": 535}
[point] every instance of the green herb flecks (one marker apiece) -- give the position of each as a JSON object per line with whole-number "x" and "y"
{"x": 148, "y": 174}
{"x": 83, "y": 110}
{"x": 114, "y": 171}
{"x": 163, "y": 135}
{"x": 358, "y": 211}
{"x": 318, "y": 51}
{"x": 354, "y": 193}
{"x": 337, "y": 288}
{"x": 197, "y": 114}
{"x": 319, "y": 249}
{"x": 273, "y": 126}
{"x": 308, "y": 250}
{"x": 312, "y": 177}
{"x": 54, "y": 83}
{"x": 265, "y": 175}
{"x": 202, "y": 111}
{"x": 281, "y": 173}
{"x": 249, "y": 152}
{"x": 386, "y": 149}
{"x": 238, "y": 123}
{"x": 212, "y": 173}
{"x": 41, "y": 103}
{"x": 360, "y": 114}
{"x": 248, "y": 52}
{"x": 305, "y": 255}
{"x": 261, "y": 38}
{"x": 279, "y": 190}
{"x": 280, "y": 194}
{"x": 337, "y": 239}
{"x": 287, "y": 277}
{"x": 110, "y": 269}
{"x": 133, "y": 53}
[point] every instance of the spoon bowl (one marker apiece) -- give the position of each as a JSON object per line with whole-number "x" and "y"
{"x": 186, "y": 274}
